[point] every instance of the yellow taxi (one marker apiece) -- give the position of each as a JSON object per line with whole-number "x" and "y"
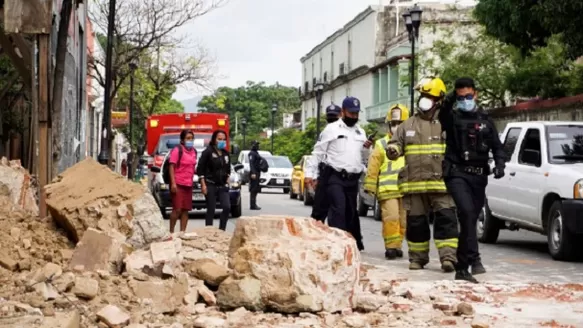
{"x": 298, "y": 188}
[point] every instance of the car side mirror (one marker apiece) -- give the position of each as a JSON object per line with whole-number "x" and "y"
{"x": 238, "y": 167}
{"x": 297, "y": 168}
{"x": 155, "y": 169}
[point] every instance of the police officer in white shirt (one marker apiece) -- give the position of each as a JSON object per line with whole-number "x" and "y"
{"x": 342, "y": 147}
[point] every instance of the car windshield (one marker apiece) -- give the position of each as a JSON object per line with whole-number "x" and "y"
{"x": 279, "y": 162}
{"x": 169, "y": 141}
{"x": 565, "y": 143}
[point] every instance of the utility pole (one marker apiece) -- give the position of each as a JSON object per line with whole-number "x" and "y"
{"x": 44, "y": 117}
{"x": 104, "y": 154}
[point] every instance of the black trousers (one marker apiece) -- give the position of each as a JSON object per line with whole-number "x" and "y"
{"x": 468, "y": 192}
{"x": 216, "y": 193}
{"x": 321, "y": 203}
{"x": 342, "y": 194}
{"x": 253, "y": 190}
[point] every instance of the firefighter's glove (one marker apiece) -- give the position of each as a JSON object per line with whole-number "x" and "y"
{"x": 392, "y": 153}
{"x": 498, "y": 172}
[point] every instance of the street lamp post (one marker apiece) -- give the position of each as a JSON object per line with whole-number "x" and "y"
{"x": 103, "y": 157}
{"x": 412, "y": 19}
{"x": 273, "y": 112}
{"x": 244, "y": 125}
{"x": 133, "y": 66}
{"x": 319, "y": 88}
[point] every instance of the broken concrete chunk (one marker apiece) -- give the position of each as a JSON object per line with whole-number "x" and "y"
{"x": 113, "y": 316}
{"x": 244, "y": 292}
{"x": 303, "y": 265}
{"x": 165, "y": 295}
{"x": 7, "y": 262}
{"x": 98, "y": 251}
{"x": 207, "y": 295}
{"x": 18, "y": 185}
{"x": 208, "y": 271}
{"x": 86, "y": 288}
{"x": 165, "y": 251}
{"x": 63, "y": 320}
{"x": 78, "y": 200}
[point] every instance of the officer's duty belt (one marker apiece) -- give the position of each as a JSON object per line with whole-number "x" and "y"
{"x": 345, "y": 175}
{"x": 470, "y": 169}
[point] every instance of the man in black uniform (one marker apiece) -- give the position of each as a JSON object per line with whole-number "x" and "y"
{"x": 321, "y": 204}
{"x": 470, "y": 136}
{"x": 254, "y": 174}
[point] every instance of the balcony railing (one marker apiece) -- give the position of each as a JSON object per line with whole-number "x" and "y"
{"x": 379, "y": 111}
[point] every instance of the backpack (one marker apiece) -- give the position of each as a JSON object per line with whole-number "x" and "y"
{"x": 166, "y": 172}
{"x": 263, "y": 166}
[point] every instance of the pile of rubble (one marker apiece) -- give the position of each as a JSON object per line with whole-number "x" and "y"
{"x": 276, "y": 272}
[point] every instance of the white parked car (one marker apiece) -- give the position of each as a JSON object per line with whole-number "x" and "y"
{"x": 542, "y": 190}
{"x": 244, "y": 159}
{"x": 279, "y": 174}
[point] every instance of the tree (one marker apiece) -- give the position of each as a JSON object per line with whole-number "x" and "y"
{"x": 253, "y": 102}
{"x": 146, "y": 27}
{"x": 528, "y": 25}
{"x": 480, "y": 56}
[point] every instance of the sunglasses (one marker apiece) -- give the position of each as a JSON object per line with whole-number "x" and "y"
{"x": 466, "y": 97}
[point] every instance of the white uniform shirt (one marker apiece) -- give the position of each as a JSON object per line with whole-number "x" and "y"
{"x": 340, "y": 147}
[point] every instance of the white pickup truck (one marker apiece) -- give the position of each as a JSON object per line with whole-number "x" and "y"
{"x": 542, "y": 190}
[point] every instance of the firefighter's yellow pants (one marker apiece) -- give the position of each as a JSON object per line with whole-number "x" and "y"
{"x": 394, "y": 222}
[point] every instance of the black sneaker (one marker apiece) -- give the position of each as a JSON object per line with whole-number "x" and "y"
{"x": 360, "y": 245}
{"x": 465, "y": 275}
{"x": 478, "y": 268}
{"x": 255, "y": 208}
{"x": 391, "y": 254}
{"x": 399, "y": 253}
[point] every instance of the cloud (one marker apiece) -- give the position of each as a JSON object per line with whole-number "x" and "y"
{"x": 263, "y": 40}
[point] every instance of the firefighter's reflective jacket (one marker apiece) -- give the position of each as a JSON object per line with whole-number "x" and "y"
{"x": 422, "y": 144}
{"x": 382, "y": 174}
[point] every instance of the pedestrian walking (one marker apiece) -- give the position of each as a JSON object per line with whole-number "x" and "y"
{"x": 470, "y": 137}
{"x": 382, "y": 177}
{"x": 214, "y": 170}
{"x": 181, "y": 171}
{"x": 321, "y": 204}
{"x": 342, "y": 147}
{"x": 254, "y": 175}
{"x": 420, "y": 140}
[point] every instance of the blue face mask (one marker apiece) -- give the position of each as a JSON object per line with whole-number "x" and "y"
{"x": 466, "y": 105}
{"x": 189, "y": 144}
{"x": 221, "y": 144}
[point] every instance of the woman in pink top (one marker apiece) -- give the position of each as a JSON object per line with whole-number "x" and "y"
{"x": 182, "y": 170}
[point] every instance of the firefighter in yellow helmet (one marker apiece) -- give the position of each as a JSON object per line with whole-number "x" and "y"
{"x": 420, "y": 140}
{"x": 382, "y": 177}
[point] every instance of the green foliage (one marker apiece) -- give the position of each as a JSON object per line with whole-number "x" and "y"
{"x": 545, "y": 73}
{"x": 253, "y": 102}
{"x": 528, "y": 25}
{"x": 479, "y": 56}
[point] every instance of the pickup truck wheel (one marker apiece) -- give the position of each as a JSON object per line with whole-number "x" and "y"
{"x": 562, "y": 243}
{"x": 165, "y": 215}
{"x": 286, "y": 190}
{"x": 488, "y": 227}
{"x": 362, "y": 207}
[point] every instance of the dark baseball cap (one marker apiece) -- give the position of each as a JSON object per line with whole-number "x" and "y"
{"x": 351, "y": 104}
{"x": 333, "y": 110}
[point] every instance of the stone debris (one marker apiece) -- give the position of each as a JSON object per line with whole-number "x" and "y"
{"x": 275, "y": 272}
{"x": 106, "y": 201}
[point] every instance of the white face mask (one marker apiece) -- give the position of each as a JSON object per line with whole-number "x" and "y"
{"x": 425, "y": 104}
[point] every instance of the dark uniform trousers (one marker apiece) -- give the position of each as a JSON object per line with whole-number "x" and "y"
{"x": 468, "y": 190}
{"x": 321, "y": 204}
{"x": 253, "y": 189}
{"x": 342, "y": 192}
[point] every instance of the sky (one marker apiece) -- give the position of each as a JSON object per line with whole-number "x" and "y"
{"x": 263, "y": 40}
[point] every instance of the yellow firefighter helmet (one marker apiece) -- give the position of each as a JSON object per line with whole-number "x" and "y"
{"x": 397, "y": 113}
{"x": 432, "y": 86}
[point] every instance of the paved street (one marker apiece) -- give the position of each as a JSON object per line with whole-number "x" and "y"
{"x": 516, "y": 256}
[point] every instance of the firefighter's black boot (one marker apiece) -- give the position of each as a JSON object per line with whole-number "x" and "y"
{"x": 391, "y": 254}
{"x": 465, "y": 275}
